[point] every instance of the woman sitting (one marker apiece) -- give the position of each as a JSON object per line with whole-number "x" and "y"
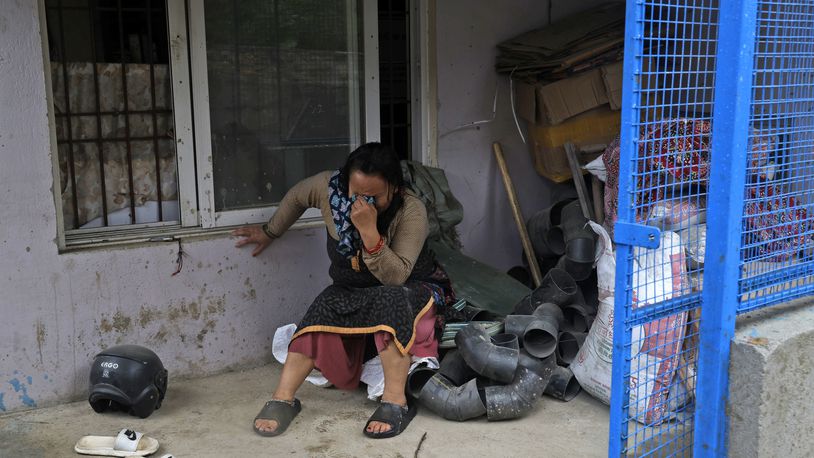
{"x": 385, "y": 283}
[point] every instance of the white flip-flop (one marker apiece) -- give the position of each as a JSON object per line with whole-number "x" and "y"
{"x": 127, "y": 443}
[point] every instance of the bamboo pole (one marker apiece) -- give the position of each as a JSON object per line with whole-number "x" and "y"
{"x": 518, "y": 215}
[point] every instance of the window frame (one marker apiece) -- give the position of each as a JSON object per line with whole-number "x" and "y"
{"x": 209, "y": 216}
{"x": 193, "y": 147}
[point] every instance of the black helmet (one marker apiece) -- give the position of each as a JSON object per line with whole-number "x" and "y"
{"x": 129, "y": 378}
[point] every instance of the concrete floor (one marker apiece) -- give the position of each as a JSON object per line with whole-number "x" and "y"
{"x": 212, "y": 417}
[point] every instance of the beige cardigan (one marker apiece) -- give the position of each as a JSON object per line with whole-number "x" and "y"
{"x": 403, "y": 242}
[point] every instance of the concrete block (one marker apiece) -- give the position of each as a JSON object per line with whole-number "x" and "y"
{"x": 771, "y": 389}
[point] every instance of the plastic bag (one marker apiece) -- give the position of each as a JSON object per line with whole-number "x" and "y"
{"x": 657, "y": 276}
{"x": 695, "y": 242}
{"x": 373, "y": 374}
{"x": 597, "y": 168}
{"x": 674, "y": 214}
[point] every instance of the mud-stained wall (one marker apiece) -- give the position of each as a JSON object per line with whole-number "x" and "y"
{"x": 58, "y": 311}
{"x": 468, "y": 33}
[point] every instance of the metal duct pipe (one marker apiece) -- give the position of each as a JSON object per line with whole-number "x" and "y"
{"x": 540, "y": 336}
{"x": 484, "y": 357}
{"x": 542, "y": 367}
{"x": 452, "y": 402}
{"x": 522, "y": 275}
{"x": 558, "y": 287}
{"x": 551, "y": 311}
{"x": 477, "y": 314}
{"x": 580, "y": 243}
{"x": 574, "y": 225}
{"x": 568, "y": 345}
{"x": 577, "y": 318}
{"x": 516, "y": 324}
{"x": 506, "y": 340}
{"x": 516, "y": 399}
{"x": 454, "y": 368}
{"x": 418, "y": 378}
{"x": 563, "y": 385}
{"x": 578, "y": 270}
{"x": 546, "y": 237}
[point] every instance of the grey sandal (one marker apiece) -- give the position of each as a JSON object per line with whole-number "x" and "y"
{"x": 396, "y": 416}
{"x": 280, "y": 411}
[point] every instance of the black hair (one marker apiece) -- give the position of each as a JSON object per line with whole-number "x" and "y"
{"x": 377, "y": 159}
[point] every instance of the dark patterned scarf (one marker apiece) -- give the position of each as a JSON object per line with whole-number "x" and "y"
{"x": 340, "y": 202}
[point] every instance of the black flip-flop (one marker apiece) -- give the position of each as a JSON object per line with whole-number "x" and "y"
{"x": 396, "y": 416}
{"x": 280, "y": 411}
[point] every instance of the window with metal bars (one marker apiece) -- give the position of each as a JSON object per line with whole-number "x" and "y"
{"x": 276, "y": 90}
{"x": 394, "y": 75}
{"x": 113, "y": 112}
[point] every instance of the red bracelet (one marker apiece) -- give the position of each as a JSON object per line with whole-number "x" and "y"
{"x": 376, "y": 248}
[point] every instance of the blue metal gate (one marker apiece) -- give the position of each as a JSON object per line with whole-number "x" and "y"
{"x": 716, "y": 164}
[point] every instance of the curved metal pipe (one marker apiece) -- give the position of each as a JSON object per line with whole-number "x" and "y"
{"x": 542, "y": 367}
{"x": 521, "y": 274}
{"x": 506, "y": 340}
{"x": 516, "y": 399}
{"x": 558, "y": 287}
{"x": 418, "y": 378}
{"x": 477, "y": 314}
{"x": 580, "y": 242}
{"x": 452, "y": 402}
{"x": 454, "y": 368}
{"x": 540, "y": 337}
{"x": 574, "y": 224}
{"x": 568, "y": 346}
{"x": 516, "y": 324}
{"x": 550, "y": 310}
{"x": 579, "y": 270}
{"x": 563, "y": 385}
{"x": 544, "y": 233}
{"x": 577, "y": 318}
{"x": 484, "y": 357}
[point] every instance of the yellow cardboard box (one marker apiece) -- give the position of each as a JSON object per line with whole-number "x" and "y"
{"x": 598, "y": 126}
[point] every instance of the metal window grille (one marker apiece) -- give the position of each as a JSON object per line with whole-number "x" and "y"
{"x": 715, "y": 172}
{"x": 113, "y": 109}
{"x": 778, "y": 225}
{"x": 663, "y": 168}
{"x": 394, "y": 75}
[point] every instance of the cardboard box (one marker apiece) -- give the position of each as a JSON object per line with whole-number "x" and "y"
{"x": 612, "y": 77}
{"x": 594, "y": 127}
{"x": 553, "y": 103}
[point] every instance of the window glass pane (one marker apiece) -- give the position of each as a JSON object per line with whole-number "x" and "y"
{"x": 112, "y": 102}
{"x": 285, "y": 85}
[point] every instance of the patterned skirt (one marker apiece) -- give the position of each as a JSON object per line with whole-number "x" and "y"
{"x": 357, "y": 303}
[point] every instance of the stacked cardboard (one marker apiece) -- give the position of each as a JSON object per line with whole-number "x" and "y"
{"x": 568, "y": 82}
{"x": 577, "y": 43}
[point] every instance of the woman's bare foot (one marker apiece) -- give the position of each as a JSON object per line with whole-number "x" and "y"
{"x": 267, "y": 426}
{"x": 378, "y": 427}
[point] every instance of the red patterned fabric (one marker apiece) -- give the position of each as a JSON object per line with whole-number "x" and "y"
{"x": 678, "y": 152}
{"x": 610, "y": 157}
{"x": 649, "y": 187}
{"x": 679, "y": 148}
{"x": 776, "y": 223}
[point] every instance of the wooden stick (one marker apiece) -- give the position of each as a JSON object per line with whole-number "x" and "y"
{"x": 518, "y": 216}
{"x": 579, "y": 181}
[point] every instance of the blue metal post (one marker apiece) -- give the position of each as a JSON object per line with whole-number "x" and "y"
{"x": 620, "y": 390}
{"x": 733, "y": 93}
